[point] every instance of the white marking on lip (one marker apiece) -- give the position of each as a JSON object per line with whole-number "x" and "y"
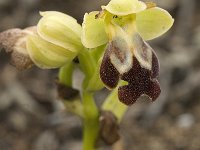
{"x": 121, "y": 56}
{"x": 143, "y": 52}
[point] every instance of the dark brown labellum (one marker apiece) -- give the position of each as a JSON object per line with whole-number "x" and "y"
{"x": 140, "y": 71}
{"x": 141, "y": 81}
{"x": 108, "y": 73}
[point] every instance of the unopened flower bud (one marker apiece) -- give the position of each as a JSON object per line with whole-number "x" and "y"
{"x": 14, "y": 43}
{"x": 60, "y": 29}
{"x": 57, "y": 41}
{"x": 47, "y": 55}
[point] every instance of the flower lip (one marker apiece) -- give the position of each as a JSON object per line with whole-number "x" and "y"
{"x": 142, "y": 51}
{"x": 121, "y": 55}
{"x": 142, "y": 80}
{"x": 108, "y": 73}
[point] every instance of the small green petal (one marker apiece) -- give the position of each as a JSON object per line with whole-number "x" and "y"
{"x": 47, "y": 55}
{"x": 153, "y": 22}
{"x": 60, "y": 29}
{"x": 93, "y": 33}
{"x": 124, "y": 7}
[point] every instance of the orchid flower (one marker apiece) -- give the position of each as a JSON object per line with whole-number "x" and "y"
{"x": 110, "y": 49}
{"x": 124, "y": 26}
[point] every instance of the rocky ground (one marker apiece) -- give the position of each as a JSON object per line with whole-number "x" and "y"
{"x": 31, "y": 117}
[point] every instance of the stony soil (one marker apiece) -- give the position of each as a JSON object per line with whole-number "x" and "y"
{"x": 32, "y": 117}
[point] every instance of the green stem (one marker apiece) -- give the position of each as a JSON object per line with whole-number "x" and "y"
{"x": 87, "y": 63}
{"x": 95, "y": 83}
{"x": 91, "y": 123}
{"x": 113, "y": 104}
{"x": 65, "y": 77}
{"x": 65, "y": 74}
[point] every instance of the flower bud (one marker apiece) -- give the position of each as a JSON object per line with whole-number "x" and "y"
{"x": 60, "y": 29}
{"x": 14, "y": 43}
{"x": 57, "y": 41}
{"x": 136, "y": 64}
{"x": 47, "y": 55}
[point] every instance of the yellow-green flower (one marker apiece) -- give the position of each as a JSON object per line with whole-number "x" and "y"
{"x": 57, "y": 41}
{"x": 149, "y": 23}
{"x": 125, "y": 25}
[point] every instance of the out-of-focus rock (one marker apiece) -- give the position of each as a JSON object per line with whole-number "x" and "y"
{"x": 4, "y": 3}
{"x": 197, "y": 37}
{"x": 46, "y": 141}
{"x": 72, "y": 145}
{"x": 185, "y": 120}
{"x": 169, "y": 4}
{"x": 17, "y": 120}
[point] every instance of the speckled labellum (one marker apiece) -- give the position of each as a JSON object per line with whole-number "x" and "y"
{"x": 137, "y": 64}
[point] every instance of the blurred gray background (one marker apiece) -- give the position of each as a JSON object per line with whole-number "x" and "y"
{"x": 32, "y": 119}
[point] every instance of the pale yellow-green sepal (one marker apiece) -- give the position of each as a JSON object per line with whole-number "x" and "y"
{"x": 124, "y": 7}
{"x": 60, "y": 29}
{"x": 153, "y": 22}
{"x": 93, "y": 32}
{"x": 47, "y": 55}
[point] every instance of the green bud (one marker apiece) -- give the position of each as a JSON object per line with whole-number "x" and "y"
{"x": 47, "y": 55}
{"x": 60, "y": 29}
{"x": 57, "y": 42}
